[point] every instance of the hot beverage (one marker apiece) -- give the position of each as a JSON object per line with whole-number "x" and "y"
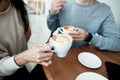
{"x": 61, "y": 44}
{"x": 62, "y": 38}
{"x": 69, "y": 28}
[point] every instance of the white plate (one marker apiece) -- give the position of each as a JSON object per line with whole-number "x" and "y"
{"x": 89, "y": 60}
{"x": 90, "y": 76}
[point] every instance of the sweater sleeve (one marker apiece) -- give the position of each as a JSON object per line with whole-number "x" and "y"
{"x": 53, "y": 22}
{"x": 8, "y": 66}
{"x": 108, "y": 37}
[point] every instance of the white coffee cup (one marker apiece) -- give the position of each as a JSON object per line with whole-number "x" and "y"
{"x": 65, "y": 29}
{"x": 68, "y": 28}
{"x": 61, "y": 44}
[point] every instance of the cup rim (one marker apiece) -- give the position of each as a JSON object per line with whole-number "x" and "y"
{"x": 67, "y": 31}
{"x": 71, "y": 39}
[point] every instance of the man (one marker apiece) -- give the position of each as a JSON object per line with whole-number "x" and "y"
{"x": 94, "y": 21}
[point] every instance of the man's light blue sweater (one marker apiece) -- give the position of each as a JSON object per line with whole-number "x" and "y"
{"x": 96, "y": 18}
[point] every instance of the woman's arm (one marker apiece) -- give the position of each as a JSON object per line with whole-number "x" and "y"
{"x": 8, "y": 66}
{"x": 37, "y": 54}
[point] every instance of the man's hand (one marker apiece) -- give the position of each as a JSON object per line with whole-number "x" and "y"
{"x": 56, "y": 5}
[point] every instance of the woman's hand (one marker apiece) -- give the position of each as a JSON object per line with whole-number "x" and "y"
{"x": 56, "y": 5}
{"x": 78, "y": 35}
{"x": 39, "y": 54}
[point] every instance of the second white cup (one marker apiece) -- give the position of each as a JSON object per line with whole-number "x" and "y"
{"x": 61, "y": 44}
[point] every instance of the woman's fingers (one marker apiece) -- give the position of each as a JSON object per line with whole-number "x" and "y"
{"x": 45, "y": 56}
{"x": 46, "y": 63}
{"x": 39, "y": 53}
{"x": 35, "y": 54}
{"x": 44, "y": 47}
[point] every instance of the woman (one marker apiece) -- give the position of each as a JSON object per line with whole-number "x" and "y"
{"x": 14, "y": 34}
{"x": 94, "y": 21}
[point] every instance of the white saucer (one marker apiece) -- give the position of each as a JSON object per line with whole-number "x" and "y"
{"x": 90, "y": 76}
{"x": 89, "y": 60}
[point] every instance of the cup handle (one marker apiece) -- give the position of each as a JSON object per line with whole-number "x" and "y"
{"x": 52, "y": 49}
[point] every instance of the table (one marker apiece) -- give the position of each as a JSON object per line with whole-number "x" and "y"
{"x": 69, "y": 68}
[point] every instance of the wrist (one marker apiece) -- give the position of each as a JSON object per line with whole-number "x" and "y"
{"x": 88, "y": 38}
{"x": 52, "y": 12}
{"x": 20, "y": 60}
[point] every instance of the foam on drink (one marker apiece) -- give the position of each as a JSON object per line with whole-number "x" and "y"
{"x": 62, "y": 38}
{"x": 69, "y": 28}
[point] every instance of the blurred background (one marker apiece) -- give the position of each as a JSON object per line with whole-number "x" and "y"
{"x": 38, "y": 11}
